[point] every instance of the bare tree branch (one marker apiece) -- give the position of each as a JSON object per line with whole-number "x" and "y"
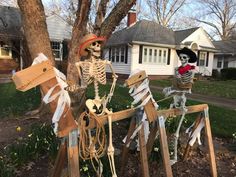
{"x": 115, "y": 17}
{"x": 101, "y": 12}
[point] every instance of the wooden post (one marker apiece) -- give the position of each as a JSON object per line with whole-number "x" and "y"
{"x": 151, "y": 138}
{"x": 125, "y": 149}
{"x": 60, "y": 160}
{"x": 210, "y": 143}
{"x": 73, "y": 154}
{"x": 164, "y": 146}
{"x": 143, "y": 153}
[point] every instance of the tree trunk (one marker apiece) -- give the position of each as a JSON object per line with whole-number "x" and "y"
{"x": 35, "y": 28}
{"x": 79, "y": 29}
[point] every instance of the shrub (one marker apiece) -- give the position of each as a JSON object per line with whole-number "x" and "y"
{"x": 215, "y": 74}
{"x": 228, "y": 73}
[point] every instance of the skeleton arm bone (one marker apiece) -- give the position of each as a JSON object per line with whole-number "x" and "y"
{"x": 79, "y": 65}
{"x": 114, "y": 76}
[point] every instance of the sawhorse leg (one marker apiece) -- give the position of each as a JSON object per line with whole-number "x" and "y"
{"x": 164, "y": 146}
{"x": 152, "y": 137}
{"x": 143, "y": 153}
{"x": 210, "y": 143}
{"x": 60, "y": 160}
{"x": 125, "y": 150}
{"x": 73, "y": 154}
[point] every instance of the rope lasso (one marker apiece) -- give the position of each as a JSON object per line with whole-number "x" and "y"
{"x": 91, "y": 147}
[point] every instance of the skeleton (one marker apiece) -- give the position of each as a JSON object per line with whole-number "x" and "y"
{"x": 93, "y": 71}
{"x": 183, "y": 83}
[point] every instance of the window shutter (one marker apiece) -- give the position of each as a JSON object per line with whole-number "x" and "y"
{"x": 140, "y": 53}
{"x": 207, "y": 59}
{"x": 198, "y": 56}
{"x": 64, "y": 50}
{"x": 109, "y": 54}
{"x": 126, "y": 54}
{"x": 168, "y": 59}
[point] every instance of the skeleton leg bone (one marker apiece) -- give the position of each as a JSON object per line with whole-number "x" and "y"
{"x": 110, "y": 150}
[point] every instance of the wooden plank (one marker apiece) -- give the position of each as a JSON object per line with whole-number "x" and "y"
{"x": 151, "y": 138}
{"x": 143, "y": 153}
{"x": 33, "y": 76}
{"x": 125, "y": 149}
{"x": 210, "y": 143}
{"x": 60, "y": 160}
{"x": 124, "y": 114}
{"x": 164, "y": 146}
{"x": 137, "y": 78}
{"x": 188, "y": 147}
{"x": 73, "y": 154}
{"x": 177, "y": 112}
{"x": 116, "y": 116}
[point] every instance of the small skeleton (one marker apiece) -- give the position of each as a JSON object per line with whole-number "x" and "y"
{"x": 93, "y": 70}
{"x": 182, "y": 84}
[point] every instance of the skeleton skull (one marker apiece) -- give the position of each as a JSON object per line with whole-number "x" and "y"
{"x": 95, "y": 48}
{"x": 184, "y": 59}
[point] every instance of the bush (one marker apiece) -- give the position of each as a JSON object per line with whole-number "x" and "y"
{"x": 228, "y": 73}
{"x": 215, "y": 74}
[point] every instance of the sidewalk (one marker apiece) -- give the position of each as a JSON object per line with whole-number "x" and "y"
{"x": 213, "y": 100}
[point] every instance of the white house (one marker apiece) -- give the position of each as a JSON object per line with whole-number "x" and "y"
{"x": 226, "y": 54}
{"x": 152, "y": 47}
{"x": 12, "y": 37}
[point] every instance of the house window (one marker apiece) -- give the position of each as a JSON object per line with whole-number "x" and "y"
{"x": 117, "y": 54}
{"x": 202, "y": 58}
{"x": 5, "y": 51}
{"x": 154, "y": 55}
{"x": 219, "y": 63}
{"x": 56, "y": 49}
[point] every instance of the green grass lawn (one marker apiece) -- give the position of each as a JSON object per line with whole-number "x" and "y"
{"x": 15, "y": 103}
{"x": 225, "y": 89}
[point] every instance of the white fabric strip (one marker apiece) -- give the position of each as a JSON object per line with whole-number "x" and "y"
{"x": 138, "y": 94}
{"x": 196, "y": 134}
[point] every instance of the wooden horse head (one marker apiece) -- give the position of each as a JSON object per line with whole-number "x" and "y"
{"x": 43, "y": 74}
{"x": 137, "y": 81}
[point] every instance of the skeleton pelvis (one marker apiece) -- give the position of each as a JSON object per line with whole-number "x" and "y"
{"x": 96, "y": 105}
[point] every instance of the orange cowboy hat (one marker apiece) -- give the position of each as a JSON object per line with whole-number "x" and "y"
{"x": 86, "y": 41}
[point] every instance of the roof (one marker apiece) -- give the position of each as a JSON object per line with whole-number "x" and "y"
{"x": 10, "y": 22}
{"x": 226, "y": 46}
{"x": 149, "y": 32}
{"x": 180, "y": 35}
{"x": 143, "y": 31}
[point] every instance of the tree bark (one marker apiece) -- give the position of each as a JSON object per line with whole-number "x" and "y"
{"x": 35, "y": 28}
{"x": 101, "y": 12}
{"x": 115, "y": 17}
{"x": 79, "y": 29}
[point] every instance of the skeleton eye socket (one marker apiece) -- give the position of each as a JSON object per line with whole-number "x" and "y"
{"x": 184, "y": 57}
{"x": 94, "y": 43}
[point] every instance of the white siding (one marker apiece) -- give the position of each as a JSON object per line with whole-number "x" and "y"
{"x": 120, "y": 68}
{"x": 153, "y": 69}
{"x": 58, "y": 29}
{"x": 200, "y": 37}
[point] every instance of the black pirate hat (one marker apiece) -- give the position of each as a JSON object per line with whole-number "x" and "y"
{"x": 190, "y": 53}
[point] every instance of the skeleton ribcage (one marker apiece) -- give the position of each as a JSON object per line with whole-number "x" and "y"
{"x": 99, "y": 69}
{"x": 186, "y": 77}
{"x": 94, "y": 71}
